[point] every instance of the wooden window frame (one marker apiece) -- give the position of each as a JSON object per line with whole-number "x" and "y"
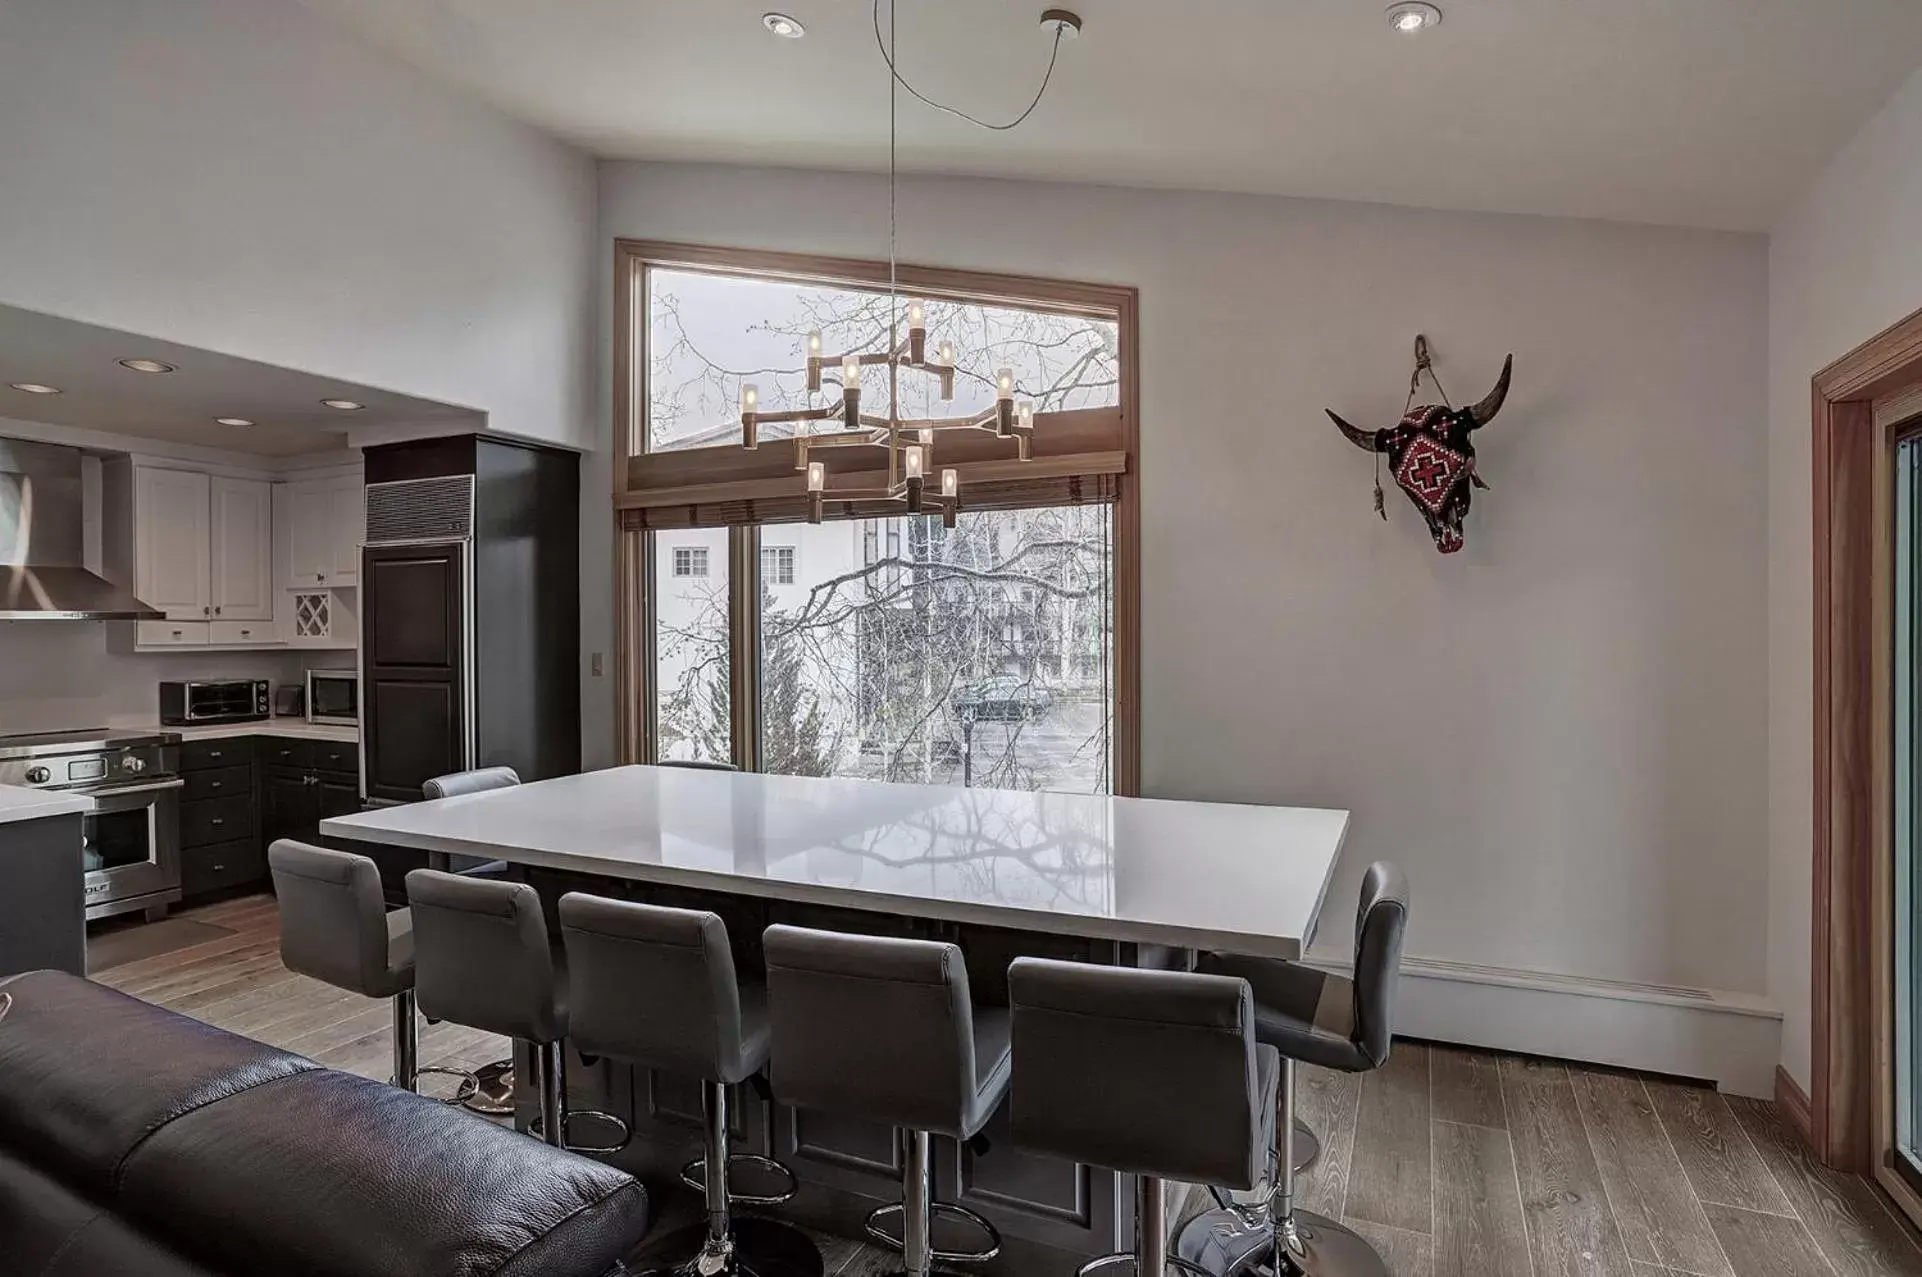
{"x": 1859, "y": 403}
{"x": 717, "y": 475}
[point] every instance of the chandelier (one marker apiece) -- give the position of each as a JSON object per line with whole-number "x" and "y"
{"x": 907, "y": 441}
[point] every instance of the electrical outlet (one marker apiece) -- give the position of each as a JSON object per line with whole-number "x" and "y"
{"x": 594, "y": 664}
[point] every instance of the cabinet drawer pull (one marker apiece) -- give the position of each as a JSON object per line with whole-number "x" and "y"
{"x": 219, "y": 868}
{"x": 219, "y": 820}
{"x": 213, "y": 753}
{"x": 214, "y": 784}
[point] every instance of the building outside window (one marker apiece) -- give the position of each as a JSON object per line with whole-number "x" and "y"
{"x": 690, "y": 561}
{"x": 777, "y": 565}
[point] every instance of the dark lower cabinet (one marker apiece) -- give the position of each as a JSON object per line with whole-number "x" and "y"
{"x": 243, "y": 793}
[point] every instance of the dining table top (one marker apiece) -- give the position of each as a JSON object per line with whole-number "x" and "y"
{"x": 1238, "y": 877}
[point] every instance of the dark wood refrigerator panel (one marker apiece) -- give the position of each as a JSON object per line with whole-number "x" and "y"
{"x": 414, "y": 607}
{"x": 413, "y": 724}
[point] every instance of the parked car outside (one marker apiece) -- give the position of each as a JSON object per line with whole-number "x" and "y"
{"x": 1002, "y": 700}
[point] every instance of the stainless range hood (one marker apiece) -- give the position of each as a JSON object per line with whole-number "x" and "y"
{"x": 43, "y": 572}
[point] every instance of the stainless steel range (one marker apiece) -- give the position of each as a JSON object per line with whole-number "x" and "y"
{"x": 132, "y": 831}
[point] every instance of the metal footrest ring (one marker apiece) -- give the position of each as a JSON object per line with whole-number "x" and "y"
{"x": 468, "y": 1088}
{"x": 936, "y": 1210}
{"x": 694, "y": 1175}
{"x": 537, "y": 1128}
{"x": 1128, "y": 1257}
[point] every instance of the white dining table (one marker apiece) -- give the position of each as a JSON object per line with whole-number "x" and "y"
{"x": 1238, "y": 877}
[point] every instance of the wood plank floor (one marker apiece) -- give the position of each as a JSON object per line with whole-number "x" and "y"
{"x": 1453, "y": 1163}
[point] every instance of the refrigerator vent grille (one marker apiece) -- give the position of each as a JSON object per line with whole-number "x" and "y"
{"x": 421, "y": 510}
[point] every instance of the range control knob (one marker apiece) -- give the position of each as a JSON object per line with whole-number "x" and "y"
{"x": 132, "y": 764}
{"x": 38, "y": 775}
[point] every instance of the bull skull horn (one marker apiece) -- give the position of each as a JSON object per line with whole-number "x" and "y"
{"x": 1484, "y": 412}
{"x": 1366, "y": 440}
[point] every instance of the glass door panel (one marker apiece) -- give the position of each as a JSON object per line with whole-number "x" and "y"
{"x": 693, "y": 697}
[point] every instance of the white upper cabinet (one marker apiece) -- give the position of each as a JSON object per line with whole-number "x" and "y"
{"x": 324, "y": 522}
{"x": 173, "y": 544}
{"x": 242, "y": 550}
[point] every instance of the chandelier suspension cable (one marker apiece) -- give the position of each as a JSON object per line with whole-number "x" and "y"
{"x": 887, "y": 55}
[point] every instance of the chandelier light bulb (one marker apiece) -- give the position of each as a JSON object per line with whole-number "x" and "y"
{"x": 1004, "y": 383}
{"x": 946, "y": 353}
{"x": 916, "y": 467}
{"x": 750, "y": 397}
{"x": 851, "y": 372}
{"x": 917, "y": 314}
{"x": 817, "y": 476}
{"x": 814, "y": 344}
{"x": 950, "y": 482}
{"x": 1024, "y": 416}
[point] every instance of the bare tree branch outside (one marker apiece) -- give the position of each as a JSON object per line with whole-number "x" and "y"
{"x": 892, "y": 648}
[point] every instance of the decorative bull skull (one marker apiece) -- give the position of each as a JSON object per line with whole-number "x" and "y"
{"x": 1432, "y": 454}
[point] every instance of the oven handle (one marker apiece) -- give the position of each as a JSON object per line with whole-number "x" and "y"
{"x": 104, "y": 796}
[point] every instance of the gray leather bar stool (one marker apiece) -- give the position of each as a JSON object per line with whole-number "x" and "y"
{"x": 884, "y": 1029}
{"x": 483, "y": 959}
{"x": 1156, "y": 1074}
{"x": 655, "y": 987}
{"x": 335, "y": 928}
{"x": 493, "y": 1083}
{"x": 1334, "y": 1022}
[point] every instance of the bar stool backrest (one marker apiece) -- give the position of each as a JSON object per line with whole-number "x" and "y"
{"x": 477, "y": 781}
{"x": 653, "y": 986}
{"x": 1147, "y": 1072}
{"x": 1381, "y": 919}
{"x": 333, "y": 918}
{"x": 481, "y": 956}
{"x": 871, "y": 1026}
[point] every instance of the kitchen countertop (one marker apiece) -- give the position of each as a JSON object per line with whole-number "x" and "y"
{"x": 19, "y": 803}
{"x": 1228, "y": 876}
{"x": 295, "y": 728}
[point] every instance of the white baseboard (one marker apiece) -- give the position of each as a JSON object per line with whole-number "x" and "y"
{"x": 1731, "y": 1039}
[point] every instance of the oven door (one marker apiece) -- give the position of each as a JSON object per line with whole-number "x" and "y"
{"x": 131, "y": 847}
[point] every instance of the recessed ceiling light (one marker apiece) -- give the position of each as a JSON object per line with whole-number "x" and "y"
{"x": 147, "y": 365}
{"x": 1411, "y": 16}
{"x": 35, "y": 388}
{"x": 345, "y": 405}
{"x": 782, "y": 25}
{"x": 232, "y": 421}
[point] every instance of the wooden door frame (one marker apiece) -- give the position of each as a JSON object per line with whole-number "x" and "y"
{"x": 1852, "y": 465}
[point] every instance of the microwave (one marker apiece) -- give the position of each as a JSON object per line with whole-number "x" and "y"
{"x": 220, "y": 700}
{"x": 333, "y": 696}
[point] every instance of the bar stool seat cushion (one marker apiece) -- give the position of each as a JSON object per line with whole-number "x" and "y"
{"x": 1307, "y": 1014}
{"x": 993, "y": 1067}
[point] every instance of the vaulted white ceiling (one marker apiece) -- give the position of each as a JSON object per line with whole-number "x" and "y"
{"x": 1694, "y": 112}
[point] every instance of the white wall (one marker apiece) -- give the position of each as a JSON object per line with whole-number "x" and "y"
{"x": 1844, "y": 264}
{"x": 1559, "y": 731}
{"x": 241, "y": 175}
{"x": 61, "y": 675}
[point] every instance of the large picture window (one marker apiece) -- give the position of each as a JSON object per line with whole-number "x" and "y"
{"x": 876, "y": 644}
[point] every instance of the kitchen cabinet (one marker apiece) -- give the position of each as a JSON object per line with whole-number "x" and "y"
{"x": 241, "y": 558}
{"x": 173, "y": 542}
{"x": 203, "y": 554}
{"x": 244, "y": 792}
{"x": 325, "y": 522}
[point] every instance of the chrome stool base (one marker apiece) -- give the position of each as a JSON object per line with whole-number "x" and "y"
{"x": 493, "y": 1090}
{"x": 1307, "y": 1146}
{"x": 468, "y": 1088}
{"x": 1315, "y": 1246}
{"x": 757, "y": 1248}
{"x": 938, "y": 1210}
{"x": 1129, "y": 1258}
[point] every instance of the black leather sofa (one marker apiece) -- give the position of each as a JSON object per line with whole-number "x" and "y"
{"x": 139, "y": 1142}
